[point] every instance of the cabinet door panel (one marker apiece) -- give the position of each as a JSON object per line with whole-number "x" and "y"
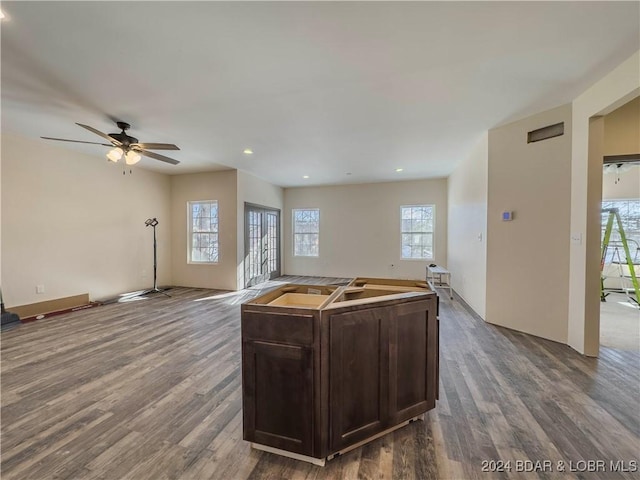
{"x": 411, "y": 367}
{"x": 413, "y": 361}
{"x": 358, "y": 376}
{"x": 278, "y": 392}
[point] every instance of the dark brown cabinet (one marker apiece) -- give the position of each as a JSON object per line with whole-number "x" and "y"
{"x": 381, "y": 374}
{"x": 278, "y": 395}
{"x": 359, "y": 378}
{"x": 327, "y": 370}
{"x": 413, "y": 368}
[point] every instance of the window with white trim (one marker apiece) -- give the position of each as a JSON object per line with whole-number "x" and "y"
{"x": 306, "y": 232}
{"x": 629, "y": 211}
{"x": 416, "y": 230}
{"x": 203, "y": 231}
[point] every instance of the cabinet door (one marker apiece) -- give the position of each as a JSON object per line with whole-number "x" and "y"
{"x": 278, "y": 392}
{"x": 412, "y": 360}
{"x": 359, "y": 376}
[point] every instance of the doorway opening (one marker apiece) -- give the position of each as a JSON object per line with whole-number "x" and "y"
{"x": 620, "y": 227}
{"x": 261, "y": 244}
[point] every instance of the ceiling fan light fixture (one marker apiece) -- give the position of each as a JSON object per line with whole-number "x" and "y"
{"x": 132, "y": 157}
{"x": 126, "y": 145}
{"x": 114, "y": 155}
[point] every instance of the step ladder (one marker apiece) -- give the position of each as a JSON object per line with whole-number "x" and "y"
{"x": 615, "y": 215}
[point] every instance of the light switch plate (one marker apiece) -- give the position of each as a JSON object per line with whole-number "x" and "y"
{"x": 576, "y": 238}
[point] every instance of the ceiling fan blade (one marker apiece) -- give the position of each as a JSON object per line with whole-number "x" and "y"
{"x": 103, "y": 135}
{"x": 77, "y": 141}
{"x": 155, "y": 146}
{"x": 157, "y": 156}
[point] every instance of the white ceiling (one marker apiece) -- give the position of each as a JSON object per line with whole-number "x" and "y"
{"x": 317, "y": 89}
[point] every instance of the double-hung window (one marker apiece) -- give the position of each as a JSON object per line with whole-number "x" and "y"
{"x": 416, "y": 230}
{"x": 306, "y": 232}
{"x": 203, "y": 232}
{"x": 629, "y": 211}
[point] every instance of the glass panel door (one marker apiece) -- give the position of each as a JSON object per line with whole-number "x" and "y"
{"x": 262, "y": 244}
{"x": 273, "y": 242}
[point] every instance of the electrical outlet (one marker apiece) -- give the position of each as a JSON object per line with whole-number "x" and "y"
{"x": 39, "y": 288}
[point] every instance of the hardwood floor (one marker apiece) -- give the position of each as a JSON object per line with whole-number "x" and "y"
{"x": 150, "y": 389}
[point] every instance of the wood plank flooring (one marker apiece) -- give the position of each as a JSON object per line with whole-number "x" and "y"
{"x": 150, "y": 389}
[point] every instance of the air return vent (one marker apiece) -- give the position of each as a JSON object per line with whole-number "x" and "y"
{"x": 545, "y": 132}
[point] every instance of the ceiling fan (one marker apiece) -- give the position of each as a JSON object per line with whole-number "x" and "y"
{"x": 125, "y": 145}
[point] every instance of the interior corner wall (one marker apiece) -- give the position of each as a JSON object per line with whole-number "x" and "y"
{"x": 467, "y": 248}
{"x": 614, "y": 90}
{"x": 220, "y": 186}
{"x": 527, "y": 258}
{"x": 254, "y": 190}
{"x": 74, "y": 223}
{"x": 360, "y": 228}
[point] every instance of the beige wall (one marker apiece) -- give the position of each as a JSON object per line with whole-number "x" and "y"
{"x": 625, "y": 185}
{"x": 75, "y": 224}
{"x": 467, "y": 219}
{"x": 622, "y": 137}
{"x": 220, "y": 186}
{"x": 360, "y": 228}
{"x": 1, "y": 218}
{"x": 527, "y": 258}
{"x": 254, "y": 190}
{"x": 622, "y": 129}
{"x": 617, "y": 88}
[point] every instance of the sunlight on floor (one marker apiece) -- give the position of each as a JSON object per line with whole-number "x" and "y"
{"x": 219, "y": 296}
{"x": 131, "y": 296}
{"x": 131, "y": 299}
{"x": 628, "y": 304}
{"x": 620, "y": 323}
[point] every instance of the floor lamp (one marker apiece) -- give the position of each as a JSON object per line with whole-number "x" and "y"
{"x": 153, "y": 222}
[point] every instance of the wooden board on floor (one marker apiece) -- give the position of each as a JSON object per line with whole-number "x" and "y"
{"x": 33, "y": 309}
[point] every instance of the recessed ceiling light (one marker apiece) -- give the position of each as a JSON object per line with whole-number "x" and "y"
{"x": 399, "y": 169}
{"x": 248, "y": 151}
{"x": 305, "y": 176}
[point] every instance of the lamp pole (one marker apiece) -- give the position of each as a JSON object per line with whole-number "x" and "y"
{"x": 153, "y": 222}
{"x": 155, "y": 260}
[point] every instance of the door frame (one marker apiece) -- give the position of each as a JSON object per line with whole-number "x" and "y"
{"x": 263, "y": 209}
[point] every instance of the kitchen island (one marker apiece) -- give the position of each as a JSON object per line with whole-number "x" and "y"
{"x": 328, "y": 368}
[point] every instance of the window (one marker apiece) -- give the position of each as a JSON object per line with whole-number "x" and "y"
{"x": 203, "y": 231}
{"x": 629, "y": 211}
{"x": 306, "y": 232}
{"x": 417, "y": 231}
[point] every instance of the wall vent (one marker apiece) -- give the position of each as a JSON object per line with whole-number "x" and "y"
{"x": 545, "y": 132}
